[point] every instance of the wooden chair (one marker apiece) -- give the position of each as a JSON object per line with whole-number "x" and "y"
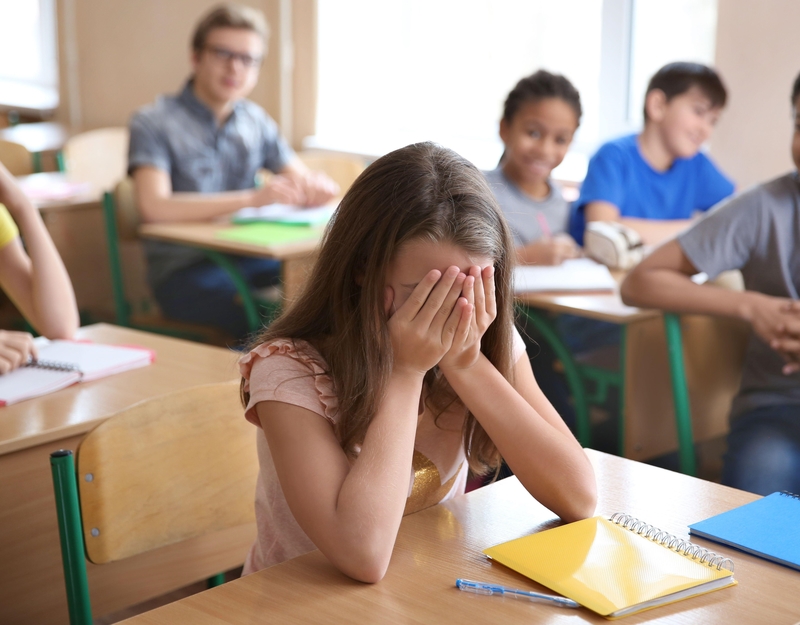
{"x": 98, "y": 156}
{"x": 342, "y": 168}
{"x": 163, "y": 471}
{"x": 16, "y": 158}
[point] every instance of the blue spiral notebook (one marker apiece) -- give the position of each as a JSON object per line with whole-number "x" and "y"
{"x": 768, "y": 528}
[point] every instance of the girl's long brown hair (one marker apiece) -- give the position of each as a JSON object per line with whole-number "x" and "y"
{"x": 422, "y": 191}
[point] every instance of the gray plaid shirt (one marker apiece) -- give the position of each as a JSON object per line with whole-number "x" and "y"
{"x": 179, "y": 135}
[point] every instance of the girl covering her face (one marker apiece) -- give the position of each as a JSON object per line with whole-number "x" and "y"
{"x": 397, "y": 370}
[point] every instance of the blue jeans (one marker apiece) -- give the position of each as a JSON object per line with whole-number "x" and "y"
{"x": 764, "y": 451}
{"x": 204, "y": 293}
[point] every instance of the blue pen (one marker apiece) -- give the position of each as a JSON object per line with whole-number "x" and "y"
{"x": 482, "y": 588}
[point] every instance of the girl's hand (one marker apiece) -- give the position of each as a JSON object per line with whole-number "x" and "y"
{"x": 16, "y": 348}
{"x": 479, "y": 293}
{"x": 422, "y": 329}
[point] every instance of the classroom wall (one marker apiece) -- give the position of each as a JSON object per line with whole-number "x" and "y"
{"x": 117, "y": 55}
{"x": 758, "y": 55}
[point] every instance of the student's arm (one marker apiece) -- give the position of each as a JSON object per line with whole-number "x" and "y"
{"x": 157, "y": 203}
{"x": 662, "y": 280}
{"x": 352, "y": 512}
{"x": 34, "y": 277}
{"x": 527, "y": 430}
{"x": 652, "y": 231}
{"x": 317, "y": 187}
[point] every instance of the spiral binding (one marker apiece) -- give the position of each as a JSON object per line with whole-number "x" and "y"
{"x": 786, "y": 493}
{"x": 684, "y": 547}
{"x": 53, "y": 365}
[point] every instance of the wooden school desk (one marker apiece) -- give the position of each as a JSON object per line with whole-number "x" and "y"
{"x": 31, "y": 575}
{"x": 296, "y": 258}
{"x": 438, "y": 545}
{"x": 657, "y": 416}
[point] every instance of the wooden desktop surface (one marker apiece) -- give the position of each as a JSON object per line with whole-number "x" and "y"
{"x": 599, "y": 305}
{"x": 83, "y": 198}
{"x": 31, "y": 577}
{"x": 77, "y": 409}
{"x": 440, "y": 544}
{"x": 297, "y": 258}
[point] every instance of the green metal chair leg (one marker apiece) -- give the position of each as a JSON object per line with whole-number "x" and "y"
{"x": 70, "y": 530}
{"x": 571, "y": 371}
{"x": 216, "y": 580}
{"x": 121, "y": 306}
{"x": 250, "y": 307}
{"x": 680, "y": 393}
{"x": 36, "y": 157}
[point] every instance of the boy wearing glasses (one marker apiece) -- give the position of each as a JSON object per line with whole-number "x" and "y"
{"x": 194, "y": 156}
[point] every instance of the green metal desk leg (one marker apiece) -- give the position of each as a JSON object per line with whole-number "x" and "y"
{"x": 250, "y": 307}
{"x": 36, "y": 157}
{"x": 571, "y": 372}
{"x": 680, "y": 393}
{"x": 60, "y": 162}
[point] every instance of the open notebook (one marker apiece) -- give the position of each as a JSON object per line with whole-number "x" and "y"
{"x": 579, "y": 274}
{"x": 617, "y": 566}
{"x": 767, "y": 527}
{"x": 285, "y": 214}
{"x": 62, "y": 363}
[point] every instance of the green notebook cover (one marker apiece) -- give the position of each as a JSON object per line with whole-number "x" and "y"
{"x": 269, "y": 234}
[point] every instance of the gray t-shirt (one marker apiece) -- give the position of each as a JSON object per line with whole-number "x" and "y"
{"x": 522, "y": 212}
{"x": 179, "y": 134}
{"x": 757, "y": 232}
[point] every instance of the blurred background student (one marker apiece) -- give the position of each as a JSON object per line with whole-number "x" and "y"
{"x": 540, "y": 117}
{"x": 194, "y": 157}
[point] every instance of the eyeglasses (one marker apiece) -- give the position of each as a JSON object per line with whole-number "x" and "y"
{"x": 223, "y": 55}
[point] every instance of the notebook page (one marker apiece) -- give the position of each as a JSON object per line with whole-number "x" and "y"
{"x": 28, "y": 382}
{"x": 93, "y": 359}
{"x": 579, "y": 274}
{"x": 285, "y": 213}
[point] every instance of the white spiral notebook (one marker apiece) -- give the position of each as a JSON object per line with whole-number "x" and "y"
{"x": 63, "y": 363}
{"x": 579, "y": 274}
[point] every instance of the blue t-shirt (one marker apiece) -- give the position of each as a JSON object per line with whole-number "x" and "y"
{"x": 618, "y": 174}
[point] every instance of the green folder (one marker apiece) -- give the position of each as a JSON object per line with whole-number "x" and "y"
{"x": 269, "y": 233}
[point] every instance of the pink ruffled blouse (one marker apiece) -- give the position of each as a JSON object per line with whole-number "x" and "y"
{"x": 293, "y": 372}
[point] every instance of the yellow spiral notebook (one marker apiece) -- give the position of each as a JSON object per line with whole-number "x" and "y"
{"x": 616, "y": 566}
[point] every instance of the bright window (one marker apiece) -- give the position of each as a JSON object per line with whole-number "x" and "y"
{"x": 662, "y": 32}
{"x": 28, "y": 55}
{"x": 394, "y": 73}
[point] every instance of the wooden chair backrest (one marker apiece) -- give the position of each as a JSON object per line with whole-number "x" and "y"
{"x": 341, "y": 168}
{"x": 16, "y": 158}
{"x": 166, "y": 470}
{"x": 128, "y": 218}
{"x": 98, "y": 156}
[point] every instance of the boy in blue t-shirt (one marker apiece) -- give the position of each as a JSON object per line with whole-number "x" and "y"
{"x": 655, "y": 181}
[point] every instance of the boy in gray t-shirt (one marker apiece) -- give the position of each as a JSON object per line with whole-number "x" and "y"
{"x": 757, "y": 232}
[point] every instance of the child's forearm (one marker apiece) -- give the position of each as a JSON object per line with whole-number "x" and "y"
{"x": 373, "y": 496}
{"x": 550, "y": 463}
{"x": 54, "y": 312}
{"x": 673, "y": 291}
